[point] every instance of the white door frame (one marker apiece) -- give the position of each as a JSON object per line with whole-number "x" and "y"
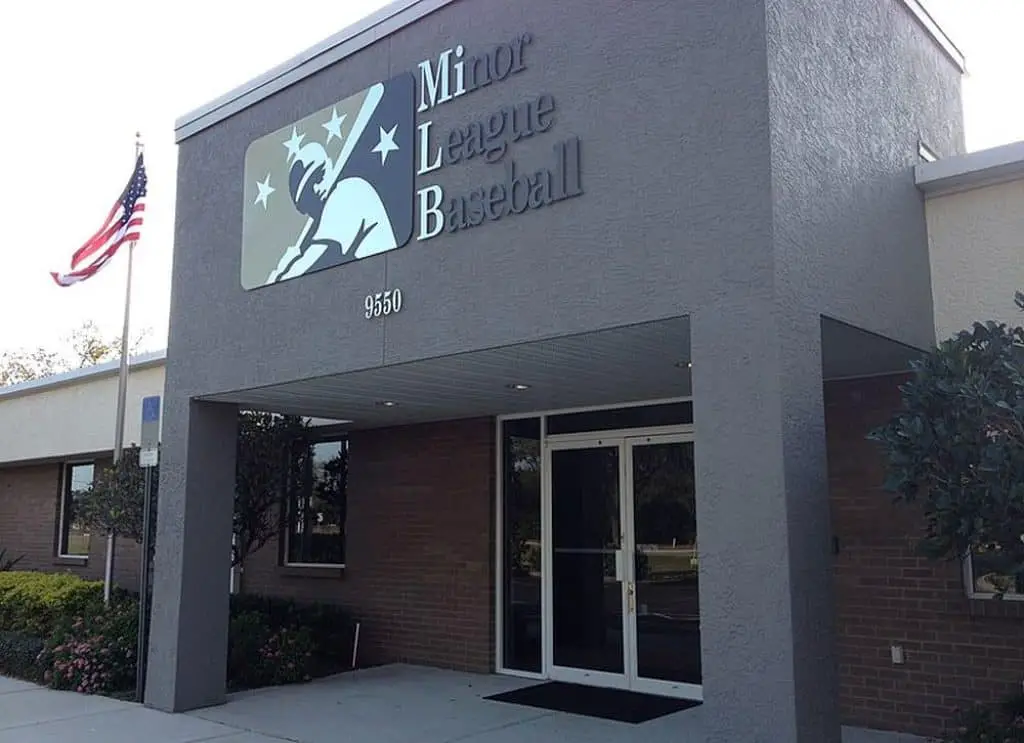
{"x": 638, "y": 683}
{"x": 624, "y": 440}
{"x": 564, "y": 673}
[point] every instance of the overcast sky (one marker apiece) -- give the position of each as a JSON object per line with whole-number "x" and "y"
{"x": 101, "y": 70}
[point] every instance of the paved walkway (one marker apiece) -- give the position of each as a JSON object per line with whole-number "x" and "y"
{"x": 391, "y": 704}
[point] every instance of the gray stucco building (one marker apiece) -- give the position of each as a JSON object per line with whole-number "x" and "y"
{"x": 538, "y": 258}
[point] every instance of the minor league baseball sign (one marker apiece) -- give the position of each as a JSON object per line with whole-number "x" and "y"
{"x": 341, "y": 184}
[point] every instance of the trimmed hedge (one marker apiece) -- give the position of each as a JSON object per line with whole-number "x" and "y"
{"x": 55, "y": 629}
{"x": 36, "y": 603}
{"x": 19, "y": 656}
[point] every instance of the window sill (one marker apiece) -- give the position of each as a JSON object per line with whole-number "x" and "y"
{"x": 312, "y": 571}
{"x": 71, "y": 560}
{"x": 983, "y": 605}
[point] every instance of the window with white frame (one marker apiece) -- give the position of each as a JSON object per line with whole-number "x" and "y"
{"x": 316, "y": 504}
{"x": 73, "y": 537}
{"x": 986, "y": 576}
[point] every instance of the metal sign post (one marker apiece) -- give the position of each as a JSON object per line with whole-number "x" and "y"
{"x": 148, "y": 460}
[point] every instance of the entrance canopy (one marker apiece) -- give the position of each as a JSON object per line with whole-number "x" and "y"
{"x": 621, "y": 365}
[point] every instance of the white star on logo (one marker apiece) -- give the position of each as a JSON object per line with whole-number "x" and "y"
{"x": 386, "y": 143}
{"x": 294, "y": 143}
{"x": 333, "y": 126}
{"x": 265, "y": 189}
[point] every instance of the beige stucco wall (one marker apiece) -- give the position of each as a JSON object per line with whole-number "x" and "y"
{"x": 75, "y": 418}
{"x": 977, "y": 255}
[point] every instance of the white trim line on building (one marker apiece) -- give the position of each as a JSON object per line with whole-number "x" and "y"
{"x": 971, "y": 170}
{"x": 379, "y": 25}
{"x": 107, "y": 368}
{"x": 920, "y": 12}
{"x": 346, "y": 42}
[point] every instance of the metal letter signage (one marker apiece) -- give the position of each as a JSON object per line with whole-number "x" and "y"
{"x": 340, "y": 184}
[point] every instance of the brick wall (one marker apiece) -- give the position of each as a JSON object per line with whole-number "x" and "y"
{"x": 957, "y": 650}
{"x": 29, "y": 507}
{"x": 420, "y": 571}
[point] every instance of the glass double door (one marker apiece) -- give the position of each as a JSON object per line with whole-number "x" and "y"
{"x": 621, "y": 560}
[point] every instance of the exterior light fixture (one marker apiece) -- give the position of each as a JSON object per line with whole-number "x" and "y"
{"x": 518, "y": 387}
{"x": 684, "y": 364}
{"x": 387, "y": 403}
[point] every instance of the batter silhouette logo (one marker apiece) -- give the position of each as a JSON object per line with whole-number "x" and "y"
{"x": 333, "y": 187}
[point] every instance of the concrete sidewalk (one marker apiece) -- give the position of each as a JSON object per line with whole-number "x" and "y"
{"x": 30, "y": 714}
{"x": 389, "y": 704}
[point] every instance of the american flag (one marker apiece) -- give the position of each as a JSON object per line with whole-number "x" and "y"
{"x": 123, "y": 223}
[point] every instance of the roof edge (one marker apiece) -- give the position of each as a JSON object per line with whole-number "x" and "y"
{"x": 345, "y": 43}
{"x": 85, "y": 374}
{"x": 929, "y": 24}
{"x": 971, "y": 170}
{"x": 385, "y": 22}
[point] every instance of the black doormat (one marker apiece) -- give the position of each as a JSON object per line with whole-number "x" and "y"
{"x": 595, "y": 701}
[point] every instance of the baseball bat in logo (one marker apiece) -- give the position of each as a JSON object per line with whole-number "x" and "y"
{"x": 332, "y": 188}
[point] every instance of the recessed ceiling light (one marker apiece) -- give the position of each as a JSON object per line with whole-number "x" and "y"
{"x": 518, "y": 387}
{"x": 387, "y": 403}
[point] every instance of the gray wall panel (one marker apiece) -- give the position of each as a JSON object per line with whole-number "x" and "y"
{"x": 224, "y": 337}
{"x": 854, "y": 85}
{"x": 671, "y": 109}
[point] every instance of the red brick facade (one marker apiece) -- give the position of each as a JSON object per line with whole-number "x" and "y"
{"x": 957, "y": 650}
{"x": 29, "y": 506}
{"x": 420, "y": 529}
{"x": 420, "y": 565}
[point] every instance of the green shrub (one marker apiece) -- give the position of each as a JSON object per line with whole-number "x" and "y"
{"x": 262, "y": 655}
{"x": 1013, "y": 707}
{"x": 984, "y": 724}
{"x": 94, "y": 653}
{"x": 90, "y": 648}
{"x": 331, "y": 629}
{"x": 34, "y": 603}
{"x": 19, "y": 656}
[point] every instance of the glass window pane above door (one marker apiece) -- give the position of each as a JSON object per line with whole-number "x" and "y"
{"x": 642, "y": 416}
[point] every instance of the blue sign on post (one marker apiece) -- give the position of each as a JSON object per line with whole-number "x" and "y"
{"x": 151, "y": 409}
{"x": 150, "y": 434}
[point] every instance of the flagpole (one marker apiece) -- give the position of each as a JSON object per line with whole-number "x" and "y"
{"x": 122, "y": 395}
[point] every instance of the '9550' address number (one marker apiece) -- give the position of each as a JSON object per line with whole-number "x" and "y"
{"x": 382, "y": 304}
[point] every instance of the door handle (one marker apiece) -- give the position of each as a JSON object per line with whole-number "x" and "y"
{"x": 631, "y": 597}
{"x": 620, "y": 565}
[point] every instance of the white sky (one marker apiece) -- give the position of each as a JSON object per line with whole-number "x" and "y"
{"x": 98, "y": 71}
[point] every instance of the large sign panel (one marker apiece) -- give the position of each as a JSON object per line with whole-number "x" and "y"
{"x": 340, "y": 184}
{"x": 331, "y": 188}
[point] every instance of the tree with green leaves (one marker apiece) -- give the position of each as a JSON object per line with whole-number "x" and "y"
{"x": 114, "y": 500}
{"x": 269, "y": 457}
{"x": 269, "y": 454}
{"x": 956, "y": 446}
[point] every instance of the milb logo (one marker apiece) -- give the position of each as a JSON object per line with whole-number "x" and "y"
{"x": 334, "y": 187}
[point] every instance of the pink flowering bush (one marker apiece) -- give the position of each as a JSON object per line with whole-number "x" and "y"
{"x": 95, "y": 653}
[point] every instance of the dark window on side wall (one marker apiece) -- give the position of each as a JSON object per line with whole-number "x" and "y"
{"x": 73, "y": 536}
{"x": 316, "y": 504}
{"x": 521, "y": 579}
